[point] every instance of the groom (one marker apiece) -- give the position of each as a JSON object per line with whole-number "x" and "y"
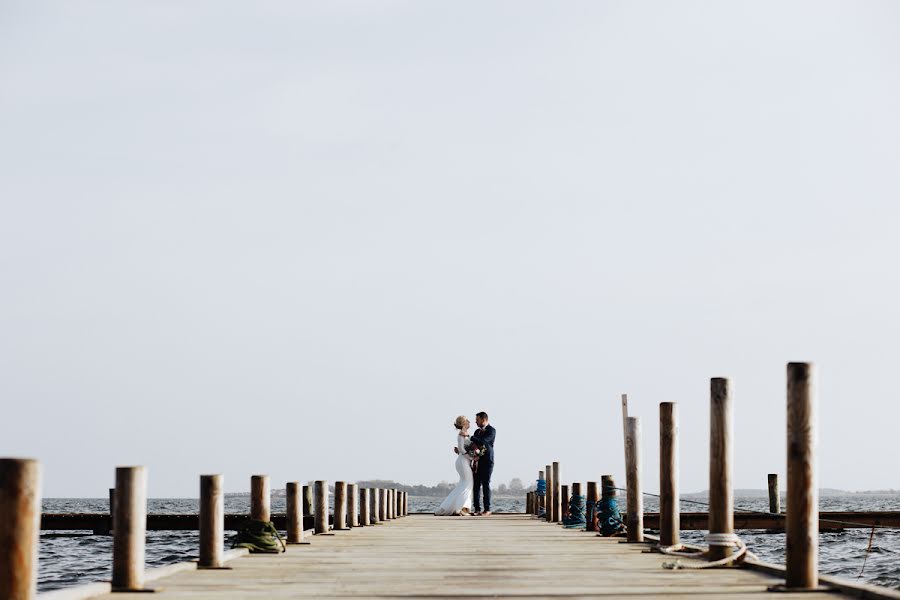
{"x": 484, "y": 436}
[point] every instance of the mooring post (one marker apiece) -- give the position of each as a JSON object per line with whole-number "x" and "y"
{"x": 382, "y": 504}
{"x": 774, "y": 495}
{"x": 364, "y": 507}
{"x": 212, "y": 522}
{"x": 390, "y": 504}
{"x": 405, "y": 503}
{"x": 20, "y": 527}
{"x": 307, "y": 501}
{"x": 591, "y": 505}
{"x": 260, "y": 498}
{"x": 669, "y": 506}
{"x": 293, "y": 512}
{"x": 352, "y": 505}
{"x": 548, "y": 499}
{"x": 802, "y": 518}
{"x": 529, "y": 507}
{"x": 540, "y": 499}
{"x": 340, "y": 505}
{"x": 112, "y": 509}
{"x": 131, "y": 529}
{"x": 563, "y": 502}
{"x": 721, "y": 495}
{"x": 557, "y": 494}
{"x": 320, "y": 500}
{"x": 635, "y": 505}
{"x": 373, "y": 506}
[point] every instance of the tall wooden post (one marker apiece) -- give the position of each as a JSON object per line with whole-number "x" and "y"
{"x": 320, "y": 498}
{"x": 635, "y": 516}
{"x": 557, "y": 494}
{"x": 774, "y": 494}
{"x": 721, "y": 495}
{"x": 669, "y": 506}
{"x": 340, "y": 505}
{"x": 563, "y": 502}
{"x": 592, "y": 500}
{"x": 352, "y": 505}
{"x": 293, "y": 510}
{"x": 548, "y": 499}
{"x": 130, "y": 534}
{"x": 20, "y": 527}
{"x": 802, "y": 518}
{"x": 260, "y": 498}
{"x": 212, "y": 522}
{"x": 112, "y": 509}
{"x": 307, "y": 501}
{"x": 364, "y": 507}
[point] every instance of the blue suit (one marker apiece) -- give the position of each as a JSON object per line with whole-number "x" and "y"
{"x": 484, "y": 437}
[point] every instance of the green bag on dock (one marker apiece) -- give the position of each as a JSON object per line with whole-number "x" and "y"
{"x": 259, "y": 537}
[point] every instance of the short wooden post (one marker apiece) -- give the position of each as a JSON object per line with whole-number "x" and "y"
{"x": 352, "y": 505}
{"x": 307, "y": 501}
{"x": 802, "y": 517}
{"x": 539, "y": 499}
{"x": 112, "y": 509}
{"x": 130, "y": 534}
{"x": 212, "y": 522}
{"x": 373, "y": 506}
{"x": 548, "y": 500}
{"x": 320, "y": 498}
{"x": 382, "y": 504}
{"x": 591, "y": 504}
{"x": 340, "y": 505}
{"x": 293, "y": 510}
{"x": 635, "y": 505}
{"x": 669, "y": 506}
{"x": 721, "y": 495}
{"x": 528, "y": 505}
{"x": 774, "y": 494}
{"x": 260, "y": 498}
{"x": 563, "y": 502}
{"x": 20, "y": 527}
{"x": 364, "y": 507}
{"x": 405, "y": 504}
{"x": 557, "y": 494}
{"x": 390, "y": 504}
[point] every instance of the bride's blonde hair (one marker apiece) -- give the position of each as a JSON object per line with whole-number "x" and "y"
{"x": 461, "y": 422}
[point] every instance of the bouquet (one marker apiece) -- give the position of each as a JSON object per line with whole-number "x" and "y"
{"x": 476, "y": 451}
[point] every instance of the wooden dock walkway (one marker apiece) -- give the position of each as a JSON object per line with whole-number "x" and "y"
{"x": 502, "y": 556}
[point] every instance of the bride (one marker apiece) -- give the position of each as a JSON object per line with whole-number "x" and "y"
{"x": 459, "y": 502}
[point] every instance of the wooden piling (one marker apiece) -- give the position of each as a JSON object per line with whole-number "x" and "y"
{"x": 373, "y": 506}
{"x": 260, "y": 498}
{"x": 293, "y": 510}
{"x": 540, "y": 499}
{"x": 563, "y": 502}
{"x": 802, "y": 517}
{"x": 548, "y": 499}
{"x": 20, "y": 527}
{"x": 529, "y": 507}
{"x": 307, "y": 501}
{"x": 131, "y": 529}
{"x": 320, "y": 498}
{"x": 669, "y": 506}
{"x": 340, "y": 505}
{"x": 635, "y": 506}
{"x": 390, "y": 503}
{"x": 721, "y": 495}
{"x": 557, "y": 494}
{"x": 774, "y": 494}
{"x": 382, "y": 504}
{"x": 112, "y": 509}
{"x": 364, "y": 507}
{"x": 406, "y": 503}
{"x": 212, "y": 522}
{"x": 592, "y": 500}
{"x": 352, "y": 505}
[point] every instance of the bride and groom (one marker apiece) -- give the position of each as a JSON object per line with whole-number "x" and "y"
{"x": 474, "y": 464}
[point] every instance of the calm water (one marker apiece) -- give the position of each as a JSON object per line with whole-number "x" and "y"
{"x": 69, "y": 559}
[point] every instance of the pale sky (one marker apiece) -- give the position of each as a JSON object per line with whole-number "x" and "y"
{"x": 300, "y": 238}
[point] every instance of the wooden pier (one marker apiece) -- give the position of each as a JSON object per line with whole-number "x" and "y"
{"x": 503, "y": 556}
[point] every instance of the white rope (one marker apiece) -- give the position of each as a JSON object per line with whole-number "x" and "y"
{"x": 713, "y": 539}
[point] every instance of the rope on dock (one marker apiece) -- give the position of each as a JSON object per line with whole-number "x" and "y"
{"x": 575, "y": 519}
{"x": 713, "y": 539}
{"x": 259, "y": 537}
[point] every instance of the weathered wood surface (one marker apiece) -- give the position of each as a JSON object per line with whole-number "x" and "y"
{"x": 435, "y": 557}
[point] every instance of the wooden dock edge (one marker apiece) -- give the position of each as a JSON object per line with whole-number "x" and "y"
{"x": 100, "y": 588}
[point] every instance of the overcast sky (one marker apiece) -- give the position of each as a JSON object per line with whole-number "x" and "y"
{"x": 300, "y": 238}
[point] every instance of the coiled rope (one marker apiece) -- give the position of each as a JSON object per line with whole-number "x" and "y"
{"x": 590, "y": 506}
{"x": 713, "y": 539}
{"x": 259, "y": 537}
{"x": 575, "y": 518}
{"x": 611, "y": 522}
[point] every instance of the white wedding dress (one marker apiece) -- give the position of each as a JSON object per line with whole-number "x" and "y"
{"x": 461, "y": 496}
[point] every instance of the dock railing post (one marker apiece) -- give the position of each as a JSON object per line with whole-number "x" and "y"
{"x": 293, "y": 513}
{"x": 563, "y": 502}
{"x": 390, "y": 503}
{"x": 669, "y": 505}
{"x": 557, "y": 494}
{"x": 802, "y": 517}
{"x": 307, "y": 501}
{"x": 212, "y": 522}
{"x": 352, "y": 505}
{"x": 635, "y": 506}
{"x": 591, "y": 505}
{"x": 20, "y": 527}
{"x": 373, "y": 506}
{"x": 320, "y": 499}
{"x": 129, "y": 536}
{"x": 548, "y": 499}
{"x": 260, "y": 498}
{"x": 112, "y": 509}
{"x": 364, "y": 507}
{"x": 721, "y": 494}
{"x": 382, "y": 505}
{"x": 405, "y": 504}
{"x": 774, "y": 494}
{"x": 340, "y": 505}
